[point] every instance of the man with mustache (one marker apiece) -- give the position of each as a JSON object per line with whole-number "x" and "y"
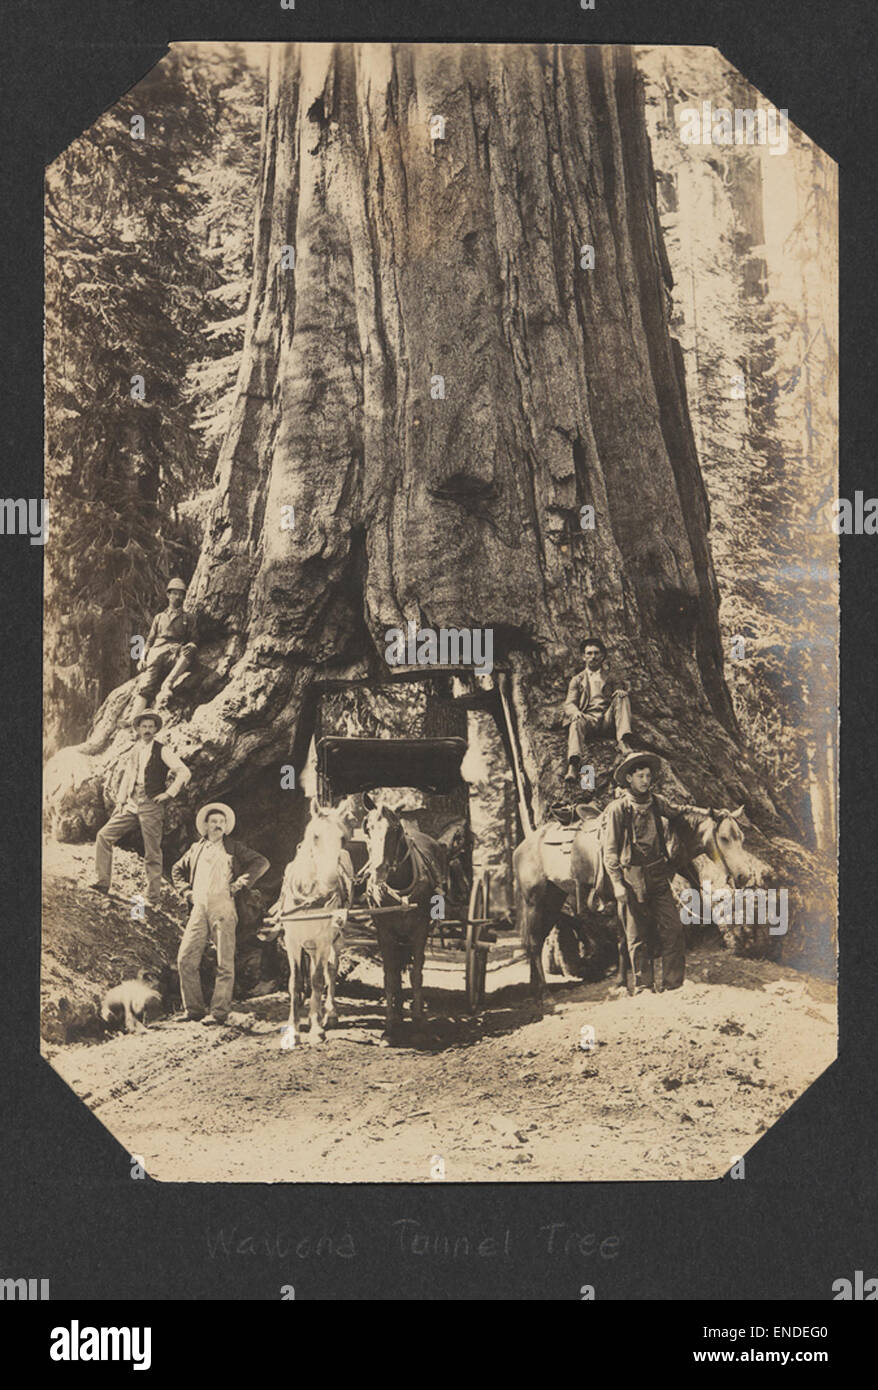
{"x": 209, "y": 874}
{"x": 596, "y": 705}
{"x": 143, "y": 792}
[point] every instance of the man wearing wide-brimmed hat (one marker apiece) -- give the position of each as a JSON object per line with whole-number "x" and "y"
{"x": 170, "y": 649}
{"x": 637, "y": 862}
{"x": 209, "y": 874}
{"x": 140, "y": 800}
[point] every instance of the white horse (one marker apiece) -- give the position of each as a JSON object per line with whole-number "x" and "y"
{"x": 318, "y": 880}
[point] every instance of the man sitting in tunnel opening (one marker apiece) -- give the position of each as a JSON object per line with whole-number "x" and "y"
{"x": 596, "y": 706}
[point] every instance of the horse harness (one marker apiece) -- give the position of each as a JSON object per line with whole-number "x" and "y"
{"x": 423, "y": 869}
{"x": 404, "y": 843}
{"x": 394, "y": 867}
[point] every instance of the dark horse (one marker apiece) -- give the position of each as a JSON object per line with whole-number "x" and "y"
{"x": 405, "y": 866}
{"x": 546, "y": 872}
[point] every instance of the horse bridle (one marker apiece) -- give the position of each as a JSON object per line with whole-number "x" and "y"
{"x": 716, "y": 857}
{"x": 714, "y": 839}
{"x": 395, "y": 864}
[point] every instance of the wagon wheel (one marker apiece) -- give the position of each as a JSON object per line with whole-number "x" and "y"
{"x": 476, "y": 953}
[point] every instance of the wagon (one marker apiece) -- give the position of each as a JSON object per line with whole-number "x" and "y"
{"x": 350, "y": 765}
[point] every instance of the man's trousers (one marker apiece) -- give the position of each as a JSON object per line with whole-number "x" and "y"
{"x": 160, "y": 662}
{"x": 150, "y": 816}
{"x": 216, "y": 922}
{"x": 653, "y": 928}
{"x": 614, "y": 721}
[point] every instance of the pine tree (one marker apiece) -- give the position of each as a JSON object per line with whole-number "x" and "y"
{"x": 126, "y": 280}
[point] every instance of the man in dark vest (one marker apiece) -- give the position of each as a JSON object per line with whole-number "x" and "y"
{"x": 143, "y": 792}
{"x": 169, "y": 652}
{"x": 210, "y": 873}
{"x": 636, "y": 860}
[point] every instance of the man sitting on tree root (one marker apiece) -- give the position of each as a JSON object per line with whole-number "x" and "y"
{"x": 596, "y": 705}
{"x": 169, "y": 652}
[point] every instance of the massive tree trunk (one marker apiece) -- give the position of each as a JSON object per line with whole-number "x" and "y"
{"x": 460, "y": 257}
{"x": 457, "y": 257}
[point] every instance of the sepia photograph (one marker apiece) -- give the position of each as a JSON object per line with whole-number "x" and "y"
{"x": 441, "y": 611}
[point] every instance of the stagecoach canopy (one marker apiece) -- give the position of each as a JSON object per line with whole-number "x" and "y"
{"x": 347, "y": 765}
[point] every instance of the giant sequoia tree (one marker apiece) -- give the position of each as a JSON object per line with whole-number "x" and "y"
{"x": 461, "y": 258}
{"x": 418, "y": 257}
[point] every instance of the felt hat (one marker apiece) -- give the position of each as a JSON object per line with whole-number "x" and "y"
{"x": 201, "y": 817}
{"x": 147, "y": 714}
{"x": 635, "y": 760}
{"x": 176, "y": 584}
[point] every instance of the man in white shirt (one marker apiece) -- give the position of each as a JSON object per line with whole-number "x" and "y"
{"x": 209, "y": 874}
{"x": 143, "y": 792}
{"x": 596, "y": 705}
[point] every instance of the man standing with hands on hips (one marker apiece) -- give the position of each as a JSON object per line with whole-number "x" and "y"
{"x": 143, "y": 792}
{"x": 209, "y": 874}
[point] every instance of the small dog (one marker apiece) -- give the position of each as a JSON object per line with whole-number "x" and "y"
{"x": 133, "y": 1002}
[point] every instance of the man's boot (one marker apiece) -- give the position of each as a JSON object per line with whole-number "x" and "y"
{"x": 137, "y": 708}
{"x": 572, "y": 773}
{"x": 263, "y": 987}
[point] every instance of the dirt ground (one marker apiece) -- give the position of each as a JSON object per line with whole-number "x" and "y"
{"x": 676, "y": 1085}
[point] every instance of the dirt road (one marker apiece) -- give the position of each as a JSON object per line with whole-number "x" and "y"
{"x": 675, "y": 1086}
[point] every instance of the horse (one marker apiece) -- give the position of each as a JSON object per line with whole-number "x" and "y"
{"x": 319, "y": 876}
{"x": 405, "y": 866}
{"x": 545, "y": 874}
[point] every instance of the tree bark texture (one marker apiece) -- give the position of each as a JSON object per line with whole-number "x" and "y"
{"x": 461, "y": 258}
{"x": 457, "y": 257}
